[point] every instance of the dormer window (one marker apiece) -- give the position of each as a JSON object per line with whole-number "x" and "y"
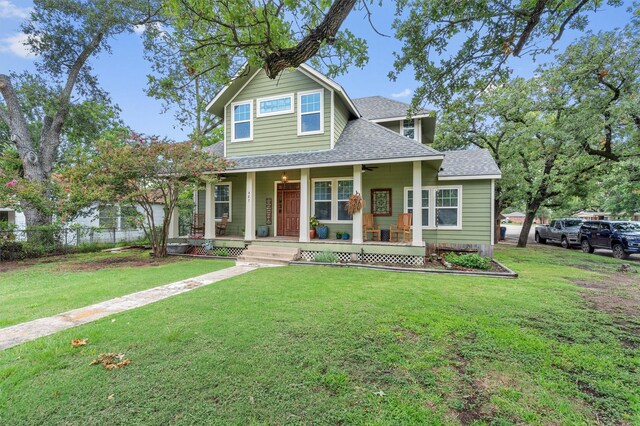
{"x": 275, "y": 105}
{"x": 409, "y": 129}
{"x": 242, "y": 126}
{"x": 310, "y": 112}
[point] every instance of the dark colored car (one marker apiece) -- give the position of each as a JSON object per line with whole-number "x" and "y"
{"x": 622, "y": 238}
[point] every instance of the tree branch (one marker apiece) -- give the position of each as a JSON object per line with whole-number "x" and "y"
{"x": 325, "y": 32}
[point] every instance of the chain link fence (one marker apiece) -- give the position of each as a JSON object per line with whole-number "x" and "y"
{"x": 26, "y": 243}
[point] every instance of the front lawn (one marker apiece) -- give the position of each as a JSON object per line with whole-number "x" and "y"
{"x": 39, "y": 288}
{"x": 300, "y": 345}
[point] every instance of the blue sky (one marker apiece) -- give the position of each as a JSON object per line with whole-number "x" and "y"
{"x": 123, "y": 73}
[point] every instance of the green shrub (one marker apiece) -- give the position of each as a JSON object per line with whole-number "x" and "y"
{"x": 222, "y": 251}
{"x": 469, "y": 260}
{"x": 325, "y": 257}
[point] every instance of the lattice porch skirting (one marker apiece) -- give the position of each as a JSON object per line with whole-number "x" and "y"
{"x": 374, "y": 258}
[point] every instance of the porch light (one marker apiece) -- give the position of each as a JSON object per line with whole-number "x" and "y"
{"x": 284, "y": 178}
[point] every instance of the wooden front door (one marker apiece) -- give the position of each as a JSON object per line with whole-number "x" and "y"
{"x": 289, "y": 209}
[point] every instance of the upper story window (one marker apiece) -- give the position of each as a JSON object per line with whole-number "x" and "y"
{"x": 310, "y": 112}
{"x": 275, "y": 105}
{"x": 409, "y": 129}
{"x": 242, "y": 121}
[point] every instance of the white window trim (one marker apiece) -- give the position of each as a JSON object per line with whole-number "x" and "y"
{"x": 334, "y": 198}
{"x": 315, "y": 132}
{"x": 274, "y": 98}
{"x": 415, "y": 128}
{"x": 432, "y": 205}
{"x": 230, "y": 201}
{"x": 233, "y": 121}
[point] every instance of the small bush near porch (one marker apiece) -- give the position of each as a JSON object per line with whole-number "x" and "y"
{"x": 302, "y": 345}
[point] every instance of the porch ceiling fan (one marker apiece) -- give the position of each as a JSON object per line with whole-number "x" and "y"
{"x": 368, "y": 168}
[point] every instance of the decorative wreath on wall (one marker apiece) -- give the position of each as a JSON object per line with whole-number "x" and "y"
{"x": 355, "y": 204}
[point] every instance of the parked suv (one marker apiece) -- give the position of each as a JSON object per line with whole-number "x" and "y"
{"x": 622, "y": 238}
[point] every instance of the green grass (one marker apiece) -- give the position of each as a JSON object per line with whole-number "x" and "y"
{"x": 321, "y": 345}
{"x": 56, "y": 285}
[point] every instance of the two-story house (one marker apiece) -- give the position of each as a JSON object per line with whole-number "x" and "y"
{"x": 300, "y": 147}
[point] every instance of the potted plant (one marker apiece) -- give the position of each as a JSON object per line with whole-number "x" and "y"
{"x": 322, "y": 231}
{"x": 345, "y": 235}
{"x": 313, "y": 223}
{"x": 338, "y": 235}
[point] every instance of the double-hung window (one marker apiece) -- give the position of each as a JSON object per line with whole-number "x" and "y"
{"x": 330, "y": 198}
{"x": 424, "y": 202}
{"x": 441, "y": 206}
{"x": 222, "y": 194}
{"x": 242, "y": 117}
{"x": 409, "y": 129}
{"x": 275, "y": 105}
{"x": 310, "y": 112}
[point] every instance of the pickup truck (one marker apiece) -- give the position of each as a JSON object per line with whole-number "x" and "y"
{"x": 622, "y": 238}
{"x": 563, "y": 231}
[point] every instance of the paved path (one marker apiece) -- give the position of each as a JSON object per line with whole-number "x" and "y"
{"x": 20, "y": 333}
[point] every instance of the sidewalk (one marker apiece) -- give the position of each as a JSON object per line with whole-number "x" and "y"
{"x": 20, "y": 333}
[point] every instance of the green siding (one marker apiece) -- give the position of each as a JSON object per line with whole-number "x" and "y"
{"x": 476, "y": 200}
{"x": 341, "y": 117}
{"x": 392, "y": 125}
{"x": 279, "y": 133}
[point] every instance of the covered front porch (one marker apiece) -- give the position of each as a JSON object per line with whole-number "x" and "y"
{"x": 276, "y": 205}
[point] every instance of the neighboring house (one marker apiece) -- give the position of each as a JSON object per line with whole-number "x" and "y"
{"x": 515, "y": 217}
{"x": 112, "y": 222}
{"x": 593, "y": 215}
{"x": 300, "y": 147}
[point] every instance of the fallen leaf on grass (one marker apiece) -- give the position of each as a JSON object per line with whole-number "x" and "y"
{"x": 110, "y": 397}
{"x": 111, "y": 360}
{"x": 379, "y": 393}
{"x": 79, "y": 342}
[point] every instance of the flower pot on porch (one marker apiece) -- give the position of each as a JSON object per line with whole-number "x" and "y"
{"x": 263, "y": 231}
{"x": 312, "y": 233}
{"x": 323, "y": 232}
{"x": 345, "y": 236}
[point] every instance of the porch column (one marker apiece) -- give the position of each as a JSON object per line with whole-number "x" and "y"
{"x": 250, "y": 211}
{"x": 304, "y": 206}
{"x": 357, "y": 217}
{"x": 209, "y": 213}
{"x": 174, "y": 230}
{"x": 417, "y": 204}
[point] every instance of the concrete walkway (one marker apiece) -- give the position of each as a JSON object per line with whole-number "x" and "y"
{"x": 20, "y": 333}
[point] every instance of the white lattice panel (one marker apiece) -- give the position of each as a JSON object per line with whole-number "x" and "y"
{"x": 373, "y": 258}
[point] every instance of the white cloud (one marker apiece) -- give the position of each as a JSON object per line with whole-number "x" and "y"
{"x": 138, "y": 29}
{"x": 10, "y": 10}
{"x": 404, "y": 94}
{"x": 16, "y": 45}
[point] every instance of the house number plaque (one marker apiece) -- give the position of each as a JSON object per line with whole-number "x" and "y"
{"x": 269, "y": 210}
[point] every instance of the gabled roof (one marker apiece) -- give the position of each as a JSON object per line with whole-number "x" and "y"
{"x": 381, "y": 108}
{"x": 361, "y": 142}
{"x": 216, "y": 106}
{"x": 469, "y": 163}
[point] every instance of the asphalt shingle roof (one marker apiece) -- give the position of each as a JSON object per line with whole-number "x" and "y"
{"x": 474, "y": 162}
{"x": 379, "y": 107}
{"x": 363, "y": 141}
{"x": 360, "y": 141}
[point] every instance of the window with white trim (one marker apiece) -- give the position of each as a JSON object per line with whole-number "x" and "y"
{"x": 447, "y": 207}
{"x": 275, "y": 105}
{"x": 310, "y": 112}
{"x": 425, "y": 204}
{"x": 242, "y": 121}
{"x": 222, "y": 200}
{"x": 409, "y": 129}
{"x": 330, "y": 197}
{"x": 445, "y": 213}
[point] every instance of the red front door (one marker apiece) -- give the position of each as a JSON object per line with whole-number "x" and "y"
{"x": 289, "y": 209}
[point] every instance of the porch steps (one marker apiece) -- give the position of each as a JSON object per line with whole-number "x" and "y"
{"x": 268, "y": 255}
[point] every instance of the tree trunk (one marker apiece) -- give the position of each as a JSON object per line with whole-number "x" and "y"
{"x": 530, "y": 215}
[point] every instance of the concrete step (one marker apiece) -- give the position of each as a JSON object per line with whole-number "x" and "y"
{"x": 269, "y": 255}
{"x": 284, "y": 250}
{"x": 257, "y": 260}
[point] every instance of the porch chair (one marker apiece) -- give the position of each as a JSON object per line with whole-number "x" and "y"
{"x": 368, "y": 227}
{"x": 402, "y": 227}
{"x": 197, "y": 226}
{"x": 221, "y": 227}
